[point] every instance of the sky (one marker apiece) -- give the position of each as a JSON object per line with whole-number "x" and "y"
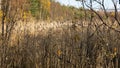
{"x": 108, "y": 3}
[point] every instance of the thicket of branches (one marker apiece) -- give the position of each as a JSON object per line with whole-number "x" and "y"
{"x": 91, "y": 41}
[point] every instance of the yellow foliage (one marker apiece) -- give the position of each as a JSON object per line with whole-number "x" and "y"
{"x": 6, "y": 19}
{"x": 1, "y": 13}
{"x": 115, "y": 49}
{"x": 112, "y": 55}
{"x": 59, "y": 52}
{"x": 36, "y": 65}
{"x": 46, "y": 4}
{"x": 24, "y": 15}
{"x": 112, "y": 14}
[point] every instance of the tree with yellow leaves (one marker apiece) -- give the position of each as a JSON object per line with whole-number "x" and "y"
{"x": 45, "y": 8}
{"x": 40, "y": 8}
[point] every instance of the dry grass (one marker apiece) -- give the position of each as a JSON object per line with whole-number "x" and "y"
{"x": 60, "y": 45}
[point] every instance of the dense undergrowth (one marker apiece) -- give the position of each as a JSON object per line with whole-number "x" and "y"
{"x": 76, "y": 46}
